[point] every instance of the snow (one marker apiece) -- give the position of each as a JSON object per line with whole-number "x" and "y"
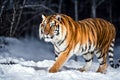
{"x": 29, "y": 72}
{"x": 35, "y": 57}
{"x": 30, "y": 49}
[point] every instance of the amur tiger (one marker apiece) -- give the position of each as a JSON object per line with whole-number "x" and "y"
{"x": 86, "y": 37}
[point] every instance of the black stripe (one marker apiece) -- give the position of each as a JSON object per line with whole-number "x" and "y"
{"x": 111, "y": 61}
{"x": 110, "y": 56}
{"x": 85, "y": 53}
{"x": 82, "y": 49}
{"x": 89, "y": 53}
{"x": 97, "y": 51}
{"x": 112, "y": 65}
{"x": 117, "y": 66}
{"x": 62, "y": 50}
{"x": 102, "y": 63}
{"x": 60, "y": 42}
{"x": 113, "y": 41}
{"x": 56, "y": 55}
{"x": 56, "y": 52}
{"x": 119, "y": 60}
{"x": 57, "y": 30}
{"x": 88, "y": 60}
{"x": 101, "y": 56}
{"x": 103, "y": 23}
{"x": 89, "y": 47}
{"x": 111, "y": 46}
{"x": 65, "y": 48}
{"x": 110, "y": 51}
{"x": 85, "y": 47}
{"x": 94, "y": 22}
{"x": 56, "y": 47}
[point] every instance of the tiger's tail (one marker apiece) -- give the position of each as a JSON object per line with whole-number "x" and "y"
{"x": 110, "y": 54}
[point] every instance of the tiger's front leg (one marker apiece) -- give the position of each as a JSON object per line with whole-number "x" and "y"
{"x": 62, "y": 58}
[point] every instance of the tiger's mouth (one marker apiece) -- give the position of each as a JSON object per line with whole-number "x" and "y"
{"x": 48, "y": 38}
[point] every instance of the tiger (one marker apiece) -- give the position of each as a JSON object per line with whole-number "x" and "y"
{"x": 87, "y": 37}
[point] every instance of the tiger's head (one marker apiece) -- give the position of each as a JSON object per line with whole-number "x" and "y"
{"x": 51, "y": 28}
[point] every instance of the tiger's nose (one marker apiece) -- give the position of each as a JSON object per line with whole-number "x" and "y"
{"x": 46, "y": 32}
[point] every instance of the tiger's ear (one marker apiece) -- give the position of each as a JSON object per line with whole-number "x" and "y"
{"x": 58, "y": 17}
{"x": 43, "y": 17}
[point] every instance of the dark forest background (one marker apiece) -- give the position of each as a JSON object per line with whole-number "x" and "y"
{"x": 21, "y": 18}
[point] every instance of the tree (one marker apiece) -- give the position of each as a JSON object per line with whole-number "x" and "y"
{"x": 93, "y": 8}
{"x": 94, "y": 5}
{"x": 60, "y": 6}
{"x": 110, "y": 10}
{"x": 76, "y": 16}
{"x": 76, "y": 9}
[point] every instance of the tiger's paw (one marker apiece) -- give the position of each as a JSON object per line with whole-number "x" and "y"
{"x": 53, "y": 70}
{"x": 81, "y": 69}
{"x": 104, "y": 72}
{"x": 102, "y": 69}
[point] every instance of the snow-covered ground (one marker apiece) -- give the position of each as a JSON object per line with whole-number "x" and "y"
{"x": 35, "y": 57}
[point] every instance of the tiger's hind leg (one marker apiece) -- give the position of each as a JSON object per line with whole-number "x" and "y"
{"x": 88, "y": 59}
{"x": 103, "y": 62}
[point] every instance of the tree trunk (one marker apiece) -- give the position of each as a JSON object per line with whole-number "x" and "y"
{"x": 76, "y": 10}
{"x": 76, "y": 19}
{"x": 93, "y": 8}
{"x": 60, "y": 6}
{"x": 13, "y": 19}
{"x": 110, "y": 11}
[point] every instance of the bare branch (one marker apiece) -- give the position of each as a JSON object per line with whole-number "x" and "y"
{"x": 41, "y": 5}
{"x": 99, "y": 3}
{"x": 2, "y": 8}
{"x": 13, "y": 19}
{"x": 19, "y": 17}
